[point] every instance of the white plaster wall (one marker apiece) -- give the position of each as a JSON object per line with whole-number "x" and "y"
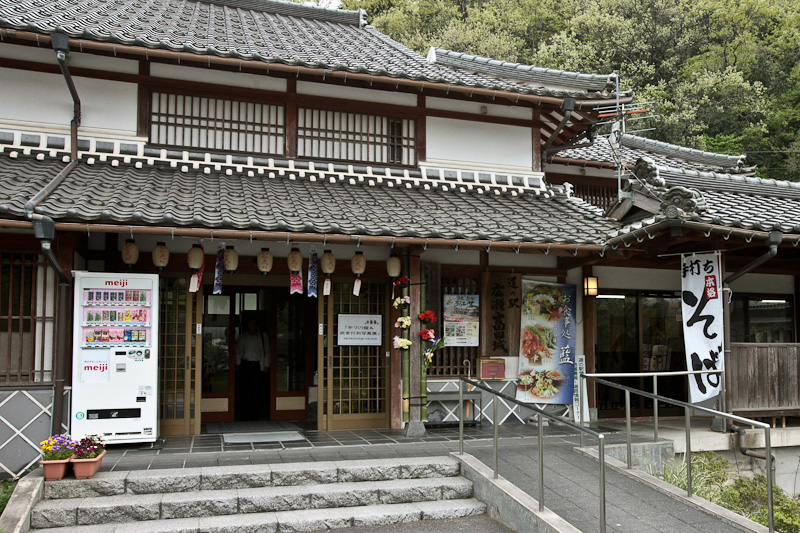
{"x": 492, "y": 110}
{"x": 766, "y": 283}
{"x": 39, "y": 98}
{"x": 456, "y": 142}
{"x": 356, "y": 93}
{"x": 74, "y": 59}
{"x": 638, "y": 278}
{"x": 207, "y": 75}
{"x": 510, "y": 259}
{"x": 670, "y": 280}
{"x": 451, "y": 257}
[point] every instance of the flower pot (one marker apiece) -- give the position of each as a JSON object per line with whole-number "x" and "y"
{"x": 55, "y": 469}
{"x": 86, "y": 468}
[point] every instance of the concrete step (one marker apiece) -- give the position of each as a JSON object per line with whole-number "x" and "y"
{"x": 236, "y": 477}
{"x": 122, "y": 508}
{"x": 296, "y": 521}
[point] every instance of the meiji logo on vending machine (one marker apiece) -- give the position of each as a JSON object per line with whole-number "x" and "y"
{"x": 95, "y": 370}
{"x": 117, "y": 283}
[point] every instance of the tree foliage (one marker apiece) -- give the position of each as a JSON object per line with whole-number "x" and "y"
{"x": 724, "y": 75}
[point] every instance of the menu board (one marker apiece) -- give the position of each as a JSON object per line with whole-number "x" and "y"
{"x": 461, "y": 320}
{"x": 116, "y": 318}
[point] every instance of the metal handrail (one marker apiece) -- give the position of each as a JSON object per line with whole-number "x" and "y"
{"x": 687, "y": 407}
{"x": 540, "y": 413}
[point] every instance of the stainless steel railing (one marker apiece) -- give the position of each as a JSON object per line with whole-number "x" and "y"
{"x": 540, "y": 415}
{"x": 687, "y": 407}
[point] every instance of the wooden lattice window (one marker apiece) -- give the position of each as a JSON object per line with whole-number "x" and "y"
{"x": 27, "y": 318}
{"x": 203, "y": 122}
{"x": 449, "y": 360}
{"x": 338, "y": 135}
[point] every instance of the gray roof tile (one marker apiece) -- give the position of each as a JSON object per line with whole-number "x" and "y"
{"x": 165, "y": 195}
{"x": 261, "y": 30}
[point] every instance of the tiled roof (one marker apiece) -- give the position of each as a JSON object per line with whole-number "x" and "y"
{"x": 525, "y": 73}
{"x": 294, "y": 196}
{"x": 259, "y": 30}
{"x": 663, "y": 154}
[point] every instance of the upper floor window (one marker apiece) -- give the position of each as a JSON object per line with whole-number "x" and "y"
{"x": 203, "y": 122}
{"x": 339, "y": 135}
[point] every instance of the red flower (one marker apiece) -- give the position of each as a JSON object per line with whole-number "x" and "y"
{"x": 428, "y": 316}
{"x": 402, "y": 280}
{"x": 426, "y": 334}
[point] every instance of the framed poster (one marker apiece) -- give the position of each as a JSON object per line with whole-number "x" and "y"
{"x": 359, "y": 330}
{"x": 461, "y": 320}
{"x": 547, "y": 343}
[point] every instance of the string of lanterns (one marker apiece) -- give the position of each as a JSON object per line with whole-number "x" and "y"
{"x": 264, "y": 262}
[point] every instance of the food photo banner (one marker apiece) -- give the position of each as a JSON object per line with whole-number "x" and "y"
{"x": 461, "y": 320}
{"x": 547, "y": 343}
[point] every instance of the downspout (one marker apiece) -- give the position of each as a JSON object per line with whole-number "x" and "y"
{"x": 773, "y": 241}
{"x": 60, "y": 44}
{"x": 743, "y": 445}
{"x": 44, "y": 229}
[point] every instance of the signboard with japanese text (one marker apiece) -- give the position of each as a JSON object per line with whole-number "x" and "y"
{"x": 701, "y": 306}
{"x": 500, "y": 311}
{"x": 547, "y": 343}
{"x": 359, "y": 330}
{"x": 461, "y": 320}
{"x": 94, "y": 367}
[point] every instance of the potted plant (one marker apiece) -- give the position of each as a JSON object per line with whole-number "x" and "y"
{"x": 56, "y": 454}
{"x": 88, "y": 456}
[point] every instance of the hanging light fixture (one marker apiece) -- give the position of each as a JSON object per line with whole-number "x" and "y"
{"x": 393, "y": 267}
{"x": 359, "y": 265}
{"x": 264, "y": 261}
{"x": 195, "y": 257}
{"x": 328, "y": 265}
{"x": 130, "y": 253}
{"x": 160, "y": 255}
{"x": 590, "y": 286}
{"x": 230, "y": 259}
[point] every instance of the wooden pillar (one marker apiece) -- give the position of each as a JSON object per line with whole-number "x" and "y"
{"x": 421, "y": 130}
{"x": 589, "y": 338}
{"x": 537, "y": 140}
{"x": 290, "y": 135}
{"x": 415, "y": 427}
{"x": 796, "y": 307}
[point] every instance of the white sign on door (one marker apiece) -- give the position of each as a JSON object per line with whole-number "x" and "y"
{"x": 359, "y": 330}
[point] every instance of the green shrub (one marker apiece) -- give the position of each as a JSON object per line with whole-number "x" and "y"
{"x": 6, "y": 488}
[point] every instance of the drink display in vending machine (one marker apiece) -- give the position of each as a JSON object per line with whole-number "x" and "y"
{"x": 115, "y": 357}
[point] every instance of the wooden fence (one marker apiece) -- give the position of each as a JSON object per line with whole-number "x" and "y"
{"x": 763, "y": 379}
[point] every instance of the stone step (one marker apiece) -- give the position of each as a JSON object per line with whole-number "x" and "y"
{"x": 296, "y": 521}
{"x": 142, "y": 507}
{"x": 235, "y": 477}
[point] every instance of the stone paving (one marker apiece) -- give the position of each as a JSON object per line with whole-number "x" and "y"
{"x": 571, "y": 480}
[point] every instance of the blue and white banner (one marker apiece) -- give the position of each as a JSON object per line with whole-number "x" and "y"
{"x": 701, "y": 299}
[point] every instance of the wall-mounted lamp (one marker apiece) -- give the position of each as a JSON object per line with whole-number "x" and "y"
{"x": 590, "y": 286}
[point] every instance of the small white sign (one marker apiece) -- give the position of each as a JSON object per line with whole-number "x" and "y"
{"x": 359, "y": 330}
{"x": 95, "y": 368}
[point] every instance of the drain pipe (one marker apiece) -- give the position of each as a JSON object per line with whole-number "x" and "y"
{"x": 773, "y": 241}
{"x": 60, "y": 44}
{"x": 743, "y": 445}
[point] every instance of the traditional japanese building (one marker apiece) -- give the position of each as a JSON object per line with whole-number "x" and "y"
{"x": 271, "y": 127}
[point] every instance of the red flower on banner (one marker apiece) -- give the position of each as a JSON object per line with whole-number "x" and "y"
{"x": 428, "y": 316}
{"x": 427, "y": 334}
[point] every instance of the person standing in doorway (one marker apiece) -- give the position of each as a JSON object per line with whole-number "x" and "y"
{"x": 252, "y": 371}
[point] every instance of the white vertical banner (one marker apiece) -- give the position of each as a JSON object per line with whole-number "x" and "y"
{"x": 701, "y": 297}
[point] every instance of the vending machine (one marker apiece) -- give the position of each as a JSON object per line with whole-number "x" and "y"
{"x": 115, "y": 357}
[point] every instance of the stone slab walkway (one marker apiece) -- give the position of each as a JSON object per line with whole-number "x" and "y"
{"x": 571, "y": 479}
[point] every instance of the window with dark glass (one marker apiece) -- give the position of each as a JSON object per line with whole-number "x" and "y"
{"x": 762, "y": 319}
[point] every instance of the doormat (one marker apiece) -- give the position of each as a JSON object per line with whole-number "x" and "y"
{"x": 218, "y": 428}
{"x": 271, "y": 436}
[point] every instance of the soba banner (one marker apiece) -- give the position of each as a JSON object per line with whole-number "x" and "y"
{"x": 701, "y": 307}
{"x": 547, "y": 343}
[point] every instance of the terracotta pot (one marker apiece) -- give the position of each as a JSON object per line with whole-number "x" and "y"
{"x": 55, "y": 469}
{"x": 86, "y": 468}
